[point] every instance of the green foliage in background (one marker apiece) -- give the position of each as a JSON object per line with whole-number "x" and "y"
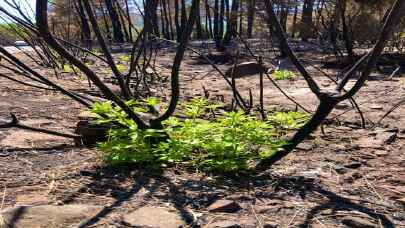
{"x": 122, "y": 68}
{"x": 283, "y": 75}
{"x": 70, "y": 69}
{"x": 287, "y": 120}
{"x": 229, "y": 143}
{"x": 125, "y": 58}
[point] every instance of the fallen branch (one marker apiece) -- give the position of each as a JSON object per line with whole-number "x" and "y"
{"x": 15, "y": 123}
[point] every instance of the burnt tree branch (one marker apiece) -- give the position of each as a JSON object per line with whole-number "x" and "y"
{"x": 15, "y": 123}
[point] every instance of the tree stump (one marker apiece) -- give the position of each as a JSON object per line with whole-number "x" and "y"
{"x": 91, "y": 133}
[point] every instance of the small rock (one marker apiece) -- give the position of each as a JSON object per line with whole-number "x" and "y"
{"x": 305, "y": 146}
{"x": 47, "y": 215}
{"x": 224, "y": 224}
{"x": 153, "y": 217}
{"x": 355, "y": 222}
{"x": 270, "y": 225}
{"x": 340, "y": 169}
{"x": 351, "y": 177}
{"x": 245, "y": 69}
{"x": 353, "y": 165}
{"x": 227, "y": 206}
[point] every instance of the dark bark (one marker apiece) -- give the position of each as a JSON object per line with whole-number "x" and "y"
{"x": 208, "y": 19}
{"x": 105, "y": 21}
{"x": 251, "y": 10}
{"x": 283, "y": 15}
{"x": 118, "y": 35}
{"x": 123, "y": 21}
{"x": 217, "y": 36}
{"x": 294, "y": 24}
{"x": 176, "y": 19}
{"x": 198, "y": 24}
{"x": 169, "y": 11}
{"x": 345, "y": 31}
{"x": 85, "y": 27}
{"x": 232, "y": 23}
{"x": 183, "y": 15}
{"x": 175, "y": 87}
{"x": 306, "y": 22}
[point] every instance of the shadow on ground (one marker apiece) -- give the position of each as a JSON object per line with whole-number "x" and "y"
{"x": 198, "y": 193}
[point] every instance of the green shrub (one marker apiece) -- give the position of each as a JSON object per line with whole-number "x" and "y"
{"x": 283, "y": 75}
{"x": 125, "y": 58}
{"x": 228, "y": 143}
{"x": 122, "y": 68}
{"x": 287, "y": 120}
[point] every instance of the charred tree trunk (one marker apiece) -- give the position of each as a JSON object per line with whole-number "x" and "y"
{"x": 232, "y": 23}
{"x": 183, "y": 14}
{"x": 251, "y": 10}
{"x": 208, "y": 20}
{"x": 283, "y": 15}
{"x": 176, "y": 19}
{"x": 118, "y": 35}
{"x": 217, "y": 36}
{"x": 198, "y": 24}
{"x": 345, "y": 31}
{"x": 294, "y": 23}
{"x": 85, "y": 27}
{"x": 169, "y": 12}
{"x": 306, "y": 22}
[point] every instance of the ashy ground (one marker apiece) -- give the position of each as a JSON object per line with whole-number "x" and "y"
{"x": 344, "y": 177}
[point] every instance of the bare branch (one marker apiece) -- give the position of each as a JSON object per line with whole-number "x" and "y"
{"x": 15, "y": 123}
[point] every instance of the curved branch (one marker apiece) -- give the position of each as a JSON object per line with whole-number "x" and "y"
{"x": 177, "y": 63}
{"x": 15, "y": 123}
